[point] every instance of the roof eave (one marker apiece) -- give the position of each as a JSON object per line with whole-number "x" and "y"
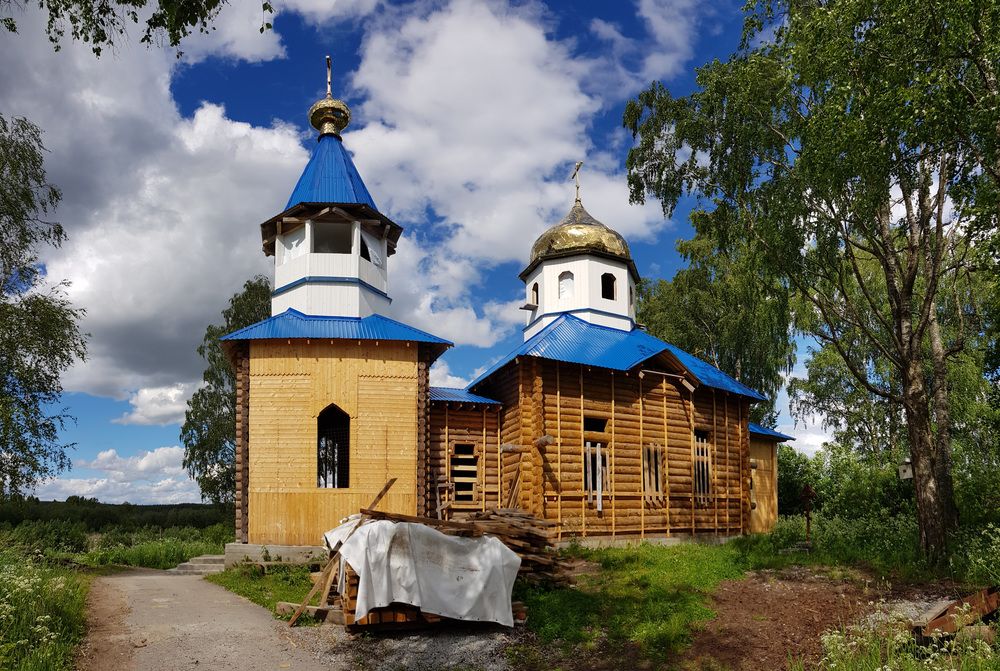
{"x": 629, "y": 263}
{"x": 357, "y": 211}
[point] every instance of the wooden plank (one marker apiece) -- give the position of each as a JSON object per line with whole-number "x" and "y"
{"x": 326, "y": 578}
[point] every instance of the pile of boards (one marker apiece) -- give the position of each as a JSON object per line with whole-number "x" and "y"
{"x": 531, "y": 538}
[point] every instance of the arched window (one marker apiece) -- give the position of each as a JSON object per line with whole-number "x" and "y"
{"x": 565, "y": 284}
{"x": 608, "y": 286}
{"x": 534, "y": 294}
{"x": 333, "y": 448}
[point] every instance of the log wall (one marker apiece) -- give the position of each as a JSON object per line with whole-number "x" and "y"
{"x": 464, "y": 424}
{"x": 764, "y": 493}
{"x": 377, "y": 384}
{"x": 543, "y": 433}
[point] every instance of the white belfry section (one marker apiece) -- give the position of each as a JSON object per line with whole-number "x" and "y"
{"x": 331, "y": 268}
{"x": 580, "y": 285}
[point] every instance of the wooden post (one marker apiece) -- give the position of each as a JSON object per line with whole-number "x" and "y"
{"x": 729, "y": 496}
{"x": 559, "y": 366}
{"x": 691, "y": 426}
{"x": 742, "y": 484}
{"x": 482, "y": 465}
{"x": 642, "y": 463}
{"x": 611, "y": 453}
{"x": 583, "y": 470}
{"x": 666, "y": 452}
{"x": 499, "y": 458}
{"x": 242, "y": 458}
{"x": 715, "y": 479}
{"x": 447, "y": 463}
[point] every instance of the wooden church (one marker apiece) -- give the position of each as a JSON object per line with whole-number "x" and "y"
{"x": 591, "y": 422}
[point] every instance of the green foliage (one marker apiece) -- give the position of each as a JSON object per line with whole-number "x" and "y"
{"x": 728, "y": 310}
{"x": 650, "y": 596}
{"x": 977, "y": 555}
{"x": 39, "y": 332}
{"x": 156, "y": 548}
{"x": 794, "y": 473}
{"x": 48, "y": 536}
{"x": 280, "y": 583}
{"x": 96, "y": 516}
{"x": 102, "y": 24}
{"x": 41, "y": 615}
{"x": 891, "y": 646}
{"x": 209, "y": 430}
{"x": 853, "y": 146}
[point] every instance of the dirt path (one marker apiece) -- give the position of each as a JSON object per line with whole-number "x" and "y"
{"x": 145, "y": 620}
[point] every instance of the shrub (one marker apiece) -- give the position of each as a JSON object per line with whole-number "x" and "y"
{"x": 49, "y": 536}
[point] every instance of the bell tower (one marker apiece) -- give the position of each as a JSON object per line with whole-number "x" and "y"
{"x": 330, "y": 245}
{"x": 580, "y": 267}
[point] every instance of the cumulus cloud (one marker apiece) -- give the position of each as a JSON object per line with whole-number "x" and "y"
{"x": 157, "y": 476}
{"x": 161, "y": 209}
{"x": 441, "y": 376}
{"x": 158, "y": 405}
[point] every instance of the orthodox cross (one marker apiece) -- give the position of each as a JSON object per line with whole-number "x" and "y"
{"x": 329, "y": 67}
{"x": 576, "y": 178}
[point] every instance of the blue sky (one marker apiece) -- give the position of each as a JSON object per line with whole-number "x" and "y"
{"x": 467, "y": 119}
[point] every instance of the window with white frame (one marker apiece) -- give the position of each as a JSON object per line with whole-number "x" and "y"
{"x": 653, "y": 472}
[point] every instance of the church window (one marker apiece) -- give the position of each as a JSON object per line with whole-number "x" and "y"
{"x": 565, "y": 284}
{"x": 653, "y": 472}
{"x": 702, "y": 468}
{"x": 332, "y": 238}
{"x": 464, "y": 472}
{"x": 333, "y": 448}
{"x": 608, "y": 286}
{"x": 364, "y": 251}
{"x": 533, "y": 299}
{"x": 595, "y": 460}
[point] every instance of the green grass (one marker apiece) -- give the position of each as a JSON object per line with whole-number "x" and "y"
{"x": 280, "y": 583}
{"x": 42, "y": 614}
{"x": 650, "y": 596}
{"x": 162, "y": 553}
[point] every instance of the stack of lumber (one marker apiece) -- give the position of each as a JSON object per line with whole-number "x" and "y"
{"x": 531, "y": 538}
{"x": 528, "y": 536}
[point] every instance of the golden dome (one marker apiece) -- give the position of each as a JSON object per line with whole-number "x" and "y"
{"x": 329, "y": 115}
{"x": 579, "y": 233}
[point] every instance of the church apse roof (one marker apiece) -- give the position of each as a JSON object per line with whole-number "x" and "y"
{"x": 573, "y": 340}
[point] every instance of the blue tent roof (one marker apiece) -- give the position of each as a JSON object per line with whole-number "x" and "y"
{"x": 294, "y": 324}
{"x": 574, "y": 340}
{"x": 458, "y": 395}
{"x": 770, "y": 433}
{"x": 330, "y": 177}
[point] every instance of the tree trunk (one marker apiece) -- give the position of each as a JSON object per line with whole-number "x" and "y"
{"x": 934, "y": 507}
{"x": 942, "y": 423}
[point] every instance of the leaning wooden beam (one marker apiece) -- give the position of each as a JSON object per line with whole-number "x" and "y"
{"x": 326, "y": 578}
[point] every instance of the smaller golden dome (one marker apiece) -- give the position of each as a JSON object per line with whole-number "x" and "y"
{"x": 579, "y": 233}
{"x": 329, "y": 115}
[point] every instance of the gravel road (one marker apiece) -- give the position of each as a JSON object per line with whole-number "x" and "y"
{"x": 144, "y": 620}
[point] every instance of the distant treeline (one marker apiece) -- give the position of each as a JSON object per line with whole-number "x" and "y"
{"x": 97, "y": 516}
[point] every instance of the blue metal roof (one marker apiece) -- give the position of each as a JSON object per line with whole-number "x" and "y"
{"x": 458, "y": 395}
{"x": 770, "y": 433}
{"x": 710, "y": 376}
{"x": 294, "y": 324}
{"x": 574, "y": 340}
{"x": 330, "y": 177}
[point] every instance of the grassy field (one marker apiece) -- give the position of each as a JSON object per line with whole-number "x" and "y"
{"x": 41, "y": 614}
{"x": 280, "y": 583}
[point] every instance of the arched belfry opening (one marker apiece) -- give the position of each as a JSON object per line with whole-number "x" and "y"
{"x": 333, "y": 448}
{"x": 608, "y": 286}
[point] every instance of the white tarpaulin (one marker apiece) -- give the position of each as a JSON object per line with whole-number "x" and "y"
{"x": 461, "y": 578}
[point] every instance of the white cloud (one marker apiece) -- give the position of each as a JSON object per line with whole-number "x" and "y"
{"x": 473, "y": 115}
{"x": 441, "y": 376}
{"x": 157, "y": 476}
{"x": 158, "y": 405}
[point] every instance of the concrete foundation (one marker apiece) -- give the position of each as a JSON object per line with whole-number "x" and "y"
{"x": 237, "y": 553}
